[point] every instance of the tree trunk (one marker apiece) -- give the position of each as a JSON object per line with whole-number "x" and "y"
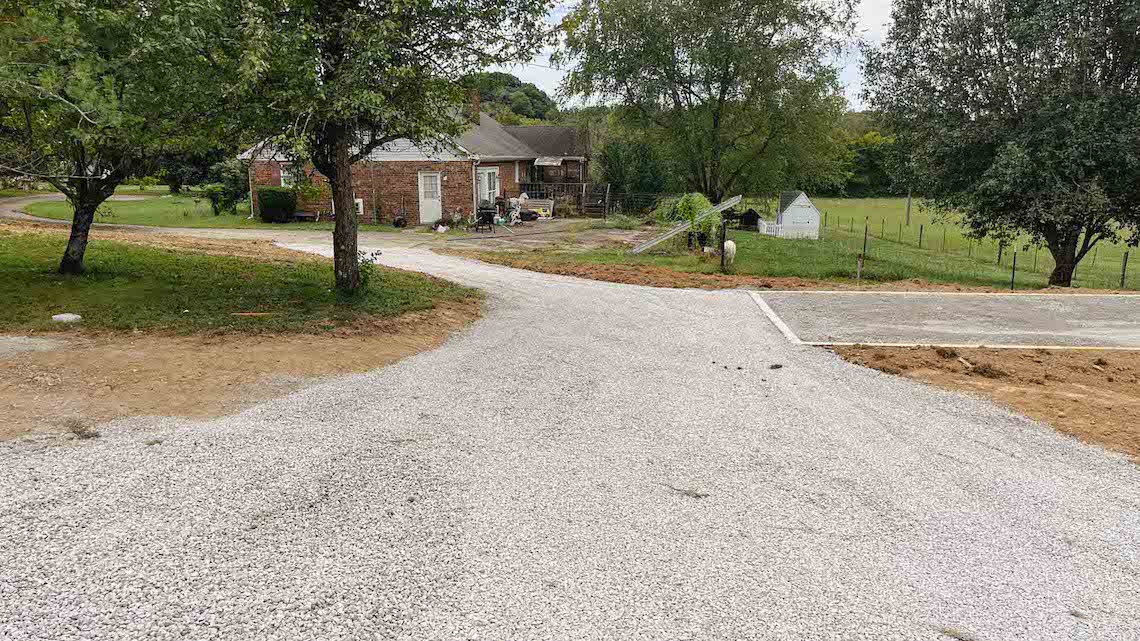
{"x": 1065, "y": 259}
{"x": 345, "y": 260}
{"x": 72, "y": 262}
{"x": 85, "y": 200}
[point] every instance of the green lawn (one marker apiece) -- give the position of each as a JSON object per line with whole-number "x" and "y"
{"x": 946, "y": 255}
{"x": 133, "y": 287}
{"x": 182, "y": 210}
{"x": 893, "y": 252}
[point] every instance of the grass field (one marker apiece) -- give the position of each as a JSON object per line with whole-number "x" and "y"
{"x": 182, "y": 210}
{"x": 946, "y": 251}
{"x": 894, "y": 251}
{"x": 128, "y": 286}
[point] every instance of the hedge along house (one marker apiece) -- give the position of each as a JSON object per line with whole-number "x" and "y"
{"x": 426, "y": 184}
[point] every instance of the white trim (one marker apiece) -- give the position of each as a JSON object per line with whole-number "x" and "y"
{"x": 516, "y": 172}
{"x": 776, "y": 320}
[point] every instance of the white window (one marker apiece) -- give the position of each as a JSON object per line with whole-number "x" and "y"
{"x": 287, "y": 176}
{"x": 430, "y": 186}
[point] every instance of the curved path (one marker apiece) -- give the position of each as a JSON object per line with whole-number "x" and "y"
{"x": 589, "y": 461}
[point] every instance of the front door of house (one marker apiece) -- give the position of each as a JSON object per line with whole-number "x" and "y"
{"x": 488, "y": 184}
{"x": 431, "y": 202}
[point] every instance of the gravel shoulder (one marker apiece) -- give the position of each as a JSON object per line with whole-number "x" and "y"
{"x": 589, "y": 461}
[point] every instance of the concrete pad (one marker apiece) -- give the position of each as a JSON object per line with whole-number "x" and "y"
{"x": 958, "y": 319}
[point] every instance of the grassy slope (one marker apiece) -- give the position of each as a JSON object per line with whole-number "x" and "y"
{"x": 133, "y": 287}
{"x": 184, "y": 210}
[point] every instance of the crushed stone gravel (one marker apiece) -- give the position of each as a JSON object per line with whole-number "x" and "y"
{"x": 576, "y": 466}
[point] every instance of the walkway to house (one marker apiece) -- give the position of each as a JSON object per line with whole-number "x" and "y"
{"x": 589, "y": 461}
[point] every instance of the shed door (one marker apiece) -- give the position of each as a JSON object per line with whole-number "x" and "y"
{"x": 431, "y": 202}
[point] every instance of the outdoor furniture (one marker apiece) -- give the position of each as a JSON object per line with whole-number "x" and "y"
{"x": 484, "y": 219}
{"x": 305, "y": 216}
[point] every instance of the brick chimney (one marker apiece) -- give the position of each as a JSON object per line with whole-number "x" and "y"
{"x": 474, "y": 107}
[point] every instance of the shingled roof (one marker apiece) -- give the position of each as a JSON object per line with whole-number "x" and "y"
{"x": 491, "y": 141}
{"x": 551, "y": 140}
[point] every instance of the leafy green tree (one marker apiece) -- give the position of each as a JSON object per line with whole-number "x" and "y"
{"x": 1019, "y": 118}
{"x": 182, "y": 169}
{"x": 870, "y": 169}
{"x": 632, "y": 166}
{"x": 510, "y": 100}
{"x": 739, "y": 89}
{"x": 344, "y": 77}
{"x": 91, "y": 92}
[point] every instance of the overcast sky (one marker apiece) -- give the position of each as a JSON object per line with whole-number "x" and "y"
{"x": 873, "y": 18}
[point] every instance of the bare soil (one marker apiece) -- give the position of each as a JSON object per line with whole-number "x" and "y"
{"x": 52, "y": 382}
{"x": 653, "y": 276}
{"x": 99, "y": 378}
{"x": 1093, "y": 395}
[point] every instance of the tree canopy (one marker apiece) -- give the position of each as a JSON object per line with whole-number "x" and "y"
{"x": 92, "y": 92}
{"x": 510, "y": 100}
{"x": 343, "y": 77}
{"x": 1020, "y": 118}
{"x": 741, "y": 91}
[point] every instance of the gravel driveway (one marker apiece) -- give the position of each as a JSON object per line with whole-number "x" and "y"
{"x": 590, "y": 461}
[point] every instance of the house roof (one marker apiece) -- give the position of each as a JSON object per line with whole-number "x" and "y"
{"x": 786, "y": 200}
{"x": 488, "y": 140}
{"x": 551, "y": 140}
{"x": 491, "y": 141}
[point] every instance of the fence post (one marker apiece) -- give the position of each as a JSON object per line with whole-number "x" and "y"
{"x": 1123, "y": 269}
{"x": 1001, "y": 248}
{"x": 970, "y": 250}
{"x": 865, "y": 227}
{"x": 943, "y": 239}
{"x": 882, "y": 228}
{"x": 1036, "y": 250}
{"x": 920, "y": 230}
{"x": 900, "y": 232}
{"x": 1013, "y": 274}
{"x": 606, "y": 211}
{"x": 1095, "y": 250}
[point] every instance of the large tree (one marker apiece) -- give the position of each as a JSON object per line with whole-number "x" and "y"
{"x": 1019, "y": 117}
{"x": 91, "y": 91}
{"x": 742, "y": 91}
{"x": 344, "y": 77}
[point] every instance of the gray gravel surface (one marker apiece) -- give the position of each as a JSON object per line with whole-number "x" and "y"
{"x": 589, "y": 461}
{"x": 974, "y": 319}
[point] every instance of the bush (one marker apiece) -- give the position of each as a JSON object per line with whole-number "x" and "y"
{"x": 276, "y": 204}
{"x": 233, "y": 178}
{"x": 221, "y": 201}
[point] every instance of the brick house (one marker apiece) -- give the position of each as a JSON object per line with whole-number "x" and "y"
{"x": 425, "y": 184}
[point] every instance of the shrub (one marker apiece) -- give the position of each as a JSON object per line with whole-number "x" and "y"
{"x": 221, "y": 201}
{"x": 233, "y": 178}
{"x": 276, "y": 204}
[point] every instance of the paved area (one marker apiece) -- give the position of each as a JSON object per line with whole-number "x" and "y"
{"x": 590, "y": 461}
{"x": 930, "y": 318}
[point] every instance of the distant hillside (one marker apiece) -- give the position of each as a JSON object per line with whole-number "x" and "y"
{"x": 510, "y": 100}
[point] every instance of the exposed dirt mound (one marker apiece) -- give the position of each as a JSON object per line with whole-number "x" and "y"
{"x": 1092, "y": 395}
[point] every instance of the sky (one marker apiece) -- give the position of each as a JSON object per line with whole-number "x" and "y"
{"x": 873, "y": 16}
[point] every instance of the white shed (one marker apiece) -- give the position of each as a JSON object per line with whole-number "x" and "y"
{"x": 796, "y": 217}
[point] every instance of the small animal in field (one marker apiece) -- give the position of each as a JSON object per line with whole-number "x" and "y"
{"x": 729, "y": 252}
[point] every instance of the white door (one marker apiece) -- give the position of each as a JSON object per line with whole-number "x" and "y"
{"x": 488, "y": 184}
{"x": 431, "y": 203}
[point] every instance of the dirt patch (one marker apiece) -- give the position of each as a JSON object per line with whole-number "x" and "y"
{"x": 93, "y": 379}
{"x": 653, "y": 276}
{"x": 1092, "y": 395}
